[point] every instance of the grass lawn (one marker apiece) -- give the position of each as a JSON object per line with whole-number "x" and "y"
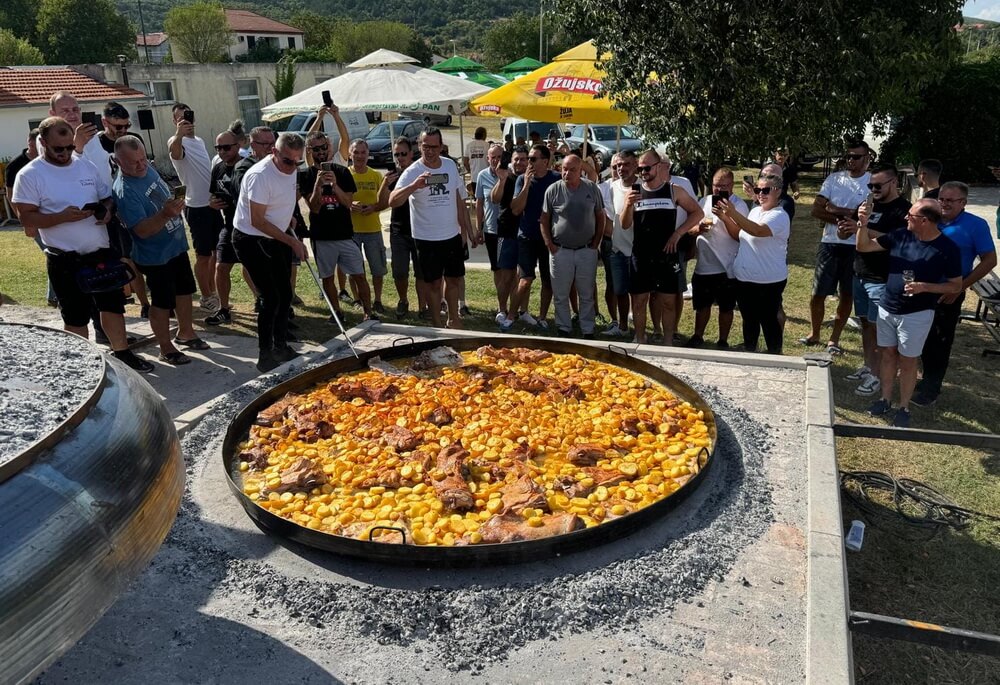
{"x": 953, "y": 578}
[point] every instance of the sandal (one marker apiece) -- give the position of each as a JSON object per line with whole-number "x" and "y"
{"x": 193, "y": 344}
{"x": 175, "y": 358}
{"x": 808, "y": 342}
{"x": 834, "y": 349}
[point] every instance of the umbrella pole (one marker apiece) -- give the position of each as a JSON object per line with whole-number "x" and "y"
{"x": 618, "y": 138}
{"x": 461, "y": 143}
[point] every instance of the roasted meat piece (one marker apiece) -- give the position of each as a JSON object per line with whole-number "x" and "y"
{"x": 302, "y": 475}
{"x": 453, "y": 490}
{"x": 276, "y": 412}
{"x": 255, "y": 457}
{"x": 349, "y": 390}
{"x": 605, "y": 477}
{"x": 533, "y": 383}
{"x": 440, "y": 416}
{"x": 523, "y": 493}
{"x": 401, "y": 439}
{"x": 382, "y": 394}
{"x": 511, "y": 527}
{"x": 574, "y": 391}
{"x": 633, "y": 425}
{"x": 439, "y": 356}
{"x": 517, "y": 354}
{"x": 309, "y": 421}
{"x": 571, "y": 487}
{"x": 585, "y": 454}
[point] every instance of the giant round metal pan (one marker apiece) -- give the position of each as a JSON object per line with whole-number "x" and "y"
{"x": 528, "y": 550}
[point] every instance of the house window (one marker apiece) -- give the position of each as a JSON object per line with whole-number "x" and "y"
{"x": 249, "y": 100}
{"x": 242, "y": 39}
{"x": 291, "y": 42}
{"x": 251, "y": 42}
{"x": 160, "y": 91}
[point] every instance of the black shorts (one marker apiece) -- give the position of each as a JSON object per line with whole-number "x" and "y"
{"x": 531, "y": 252}
{"x": 834, "y": 270}
{"x": 605, "y": 255}
{"x": 167, "y": 281}
{"x": 492, "y": 240}
{"x": 206, "y": 224}
{"x": 712, "y": 289}
{"x": 225, "y": 253}
{"x": 654, "y": 275}
{"x": 403, "y": 252}
{"x": 75, "y": 306}
{"x": 440, "y": 258}
{"x": 121, "y": 237}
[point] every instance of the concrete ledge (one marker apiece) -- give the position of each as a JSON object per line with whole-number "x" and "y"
{"x": 819, "y": 397}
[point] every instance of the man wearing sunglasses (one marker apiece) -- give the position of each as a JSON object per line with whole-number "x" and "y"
{"x": 193, "y": 165}
{"x": 871, "y": 270}
{"x": 839, "y": 197}
{"x": 923, "y": 265}
{"x": 227, "y": 150}
{"x": 50, "y": 195}
{"x": 972, "y": 235}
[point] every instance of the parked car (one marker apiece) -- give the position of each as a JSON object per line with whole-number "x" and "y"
{"x": 605, "y": 140}
{"x": 520, "y": 128}
{"x": 380, "y": 141}
{"x": 428, "y": 118}
{"x": 301, "y": 122}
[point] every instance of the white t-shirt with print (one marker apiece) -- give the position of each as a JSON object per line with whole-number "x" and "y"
{"x": 266, "y": 185}
{"x": 716, "y": 248}
{"x": 433, "y": 209}
{"x": 475, "y": 150}
{"x": 764, "y": 260}
{"x": 843, "y": 191}
{"x": 195, "y": 171}
{"x": 99, "y": 157}
{"x": 52, "y": 189}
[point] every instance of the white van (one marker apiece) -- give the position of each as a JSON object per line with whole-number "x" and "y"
{"x": 301, "y": 122}
{"x": 520, "y": 128}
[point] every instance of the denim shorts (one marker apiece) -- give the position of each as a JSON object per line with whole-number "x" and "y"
{"x": 867, "y": 295}
{"x": 620, "y": 263}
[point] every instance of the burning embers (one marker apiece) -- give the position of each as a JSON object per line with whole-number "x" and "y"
{"x": 491, "y": 446}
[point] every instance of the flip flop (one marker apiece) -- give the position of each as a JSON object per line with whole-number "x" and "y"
{"x": 808, "y": 342}
{"x": 834, "y": 349}
{"x": 175, "y": 358}
{"x": 193, "y": 344}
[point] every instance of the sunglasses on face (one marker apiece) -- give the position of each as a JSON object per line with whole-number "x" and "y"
{"x": 321, "y": 148}
{"x": 854, "y": 157}
{"x": 876, "y": 186}
{"x": 59, "y": 149}
{"x": 120, "y": 127}
{"x": 762, "y": 191}
{"x": 534, "y": 159}
{"x": 225, "y": 148}
{"x": 400, "y": 154}
{"x": 949, "y": 200}
{"x": 645, "y": 169}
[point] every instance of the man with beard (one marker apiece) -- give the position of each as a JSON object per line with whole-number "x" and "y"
{"x": 502, "y": 195}
{"x": 222, "y": 199}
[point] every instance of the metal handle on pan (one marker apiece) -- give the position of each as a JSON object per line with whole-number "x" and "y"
{"x": 401, "y": 531}
{"x": 620, "y": 350}
{"x": 401, "y": 339}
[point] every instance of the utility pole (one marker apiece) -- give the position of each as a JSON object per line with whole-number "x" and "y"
{"x": 142, "y": 24}
{"x": 541, "y": 14}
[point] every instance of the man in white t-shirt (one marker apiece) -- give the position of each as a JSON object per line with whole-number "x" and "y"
{"x": 713, "y": 281}
{"x": 621, "y": 240}
{"x": 840, "y": 196}
{"x": 193, "y": 165}
{"x": 265, "y": 244}
{"x": 64, "y": 198}
{"x": 475, "y": 155}
{"x": 439, "y": 221}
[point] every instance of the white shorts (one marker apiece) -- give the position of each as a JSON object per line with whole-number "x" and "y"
{"x": 330, "y": 253}
{"x": 907, "y": 332}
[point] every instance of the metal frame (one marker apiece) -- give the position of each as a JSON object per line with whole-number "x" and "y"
{"x": 925, "y": 633}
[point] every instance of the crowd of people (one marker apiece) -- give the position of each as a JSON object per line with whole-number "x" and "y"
{"x": 108, "y": 222}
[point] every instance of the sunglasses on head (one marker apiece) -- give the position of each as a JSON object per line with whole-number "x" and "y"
{"x": 853, "y": 156}
{"x": 225, "y": 147}
{"x": 321, "y": 148}
{"x": 763, "y": 191}
{"x": 59, "y": 149}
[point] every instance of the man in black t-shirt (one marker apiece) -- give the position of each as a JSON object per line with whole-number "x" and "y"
{"x": 328, "y": 189}
{"x": 401, "y": 244}
{"x": 507, "y": 223}
{"x": 222, "y": 199}
{"x": 871, "y": 270}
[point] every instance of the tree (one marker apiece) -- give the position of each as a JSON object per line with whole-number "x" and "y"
{"x": 17, "y": 51}
{"x": 283, "y": 84}
{"x": 508, "y": 40}
{"x": 317, "y": 27}
{"x": 198, "y": 32}
{"x": 350, "y": 41}
{"x": 74, "y": 32}
{"x": 20, "y": 16}
{"x": 720, "y": 82}
{"x": 957, "y": 121}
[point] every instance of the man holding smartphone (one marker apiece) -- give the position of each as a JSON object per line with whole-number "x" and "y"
{"x": 222, "y": 200}
{"x": 193, "y": 165}
{"x": 502, "y": 195}
{"x": 404, "y": 250}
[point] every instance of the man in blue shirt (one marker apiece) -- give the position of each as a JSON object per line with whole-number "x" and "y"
{"x": 972, "y": 235}
{"x": 923, "y": 266}
{"x": 159, "y": 248}
{"x": 529, "y": 194}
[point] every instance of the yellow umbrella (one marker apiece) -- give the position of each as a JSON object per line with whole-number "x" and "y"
{"x": 566, "y": 90}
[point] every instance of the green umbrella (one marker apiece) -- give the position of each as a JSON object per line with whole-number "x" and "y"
{"x": 483, "y": 78}
{"x": 458, "y": 63}
{"x": 521, "y": 67}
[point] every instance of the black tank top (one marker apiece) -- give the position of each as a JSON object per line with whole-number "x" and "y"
{"x": 654, "y": 219}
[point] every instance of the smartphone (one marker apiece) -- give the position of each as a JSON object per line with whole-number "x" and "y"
{"x": 716, "y": 199}
{"x": 748, "y": 179}
{"x": 637, "y": 187}
{"x": 327, "y": 99}
{"x": 180, "y": 192}
{"x": 437, "y": 179}
{"x": 189, "y": 116}
{"x": 326, "y": 166}
{"x": 92, "y": 118}
{"x": 99, "y": 210}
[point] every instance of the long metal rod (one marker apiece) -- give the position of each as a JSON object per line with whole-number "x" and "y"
{"x": 924, "y": 633}
{"x": 333, "y": 311}
{"x": 965, "y": 439}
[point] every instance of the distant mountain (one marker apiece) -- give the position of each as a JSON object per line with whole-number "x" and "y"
{"x": 971, "y": 21}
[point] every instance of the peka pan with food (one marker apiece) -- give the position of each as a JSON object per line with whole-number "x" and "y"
{"x": 469, "y": 451}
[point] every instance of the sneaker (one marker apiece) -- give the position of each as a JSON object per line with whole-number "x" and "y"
{"x": 284, "y": 353}
{"x": 424, "y": 315}
{"x": 689, "y": 293}
{"x": 371, "y": 316}
{"x": 859, "y": 374}
{"x": 722, "y": 345}
{"x": 345, "y": 297}
{"x": 222, "y": 316}
{"x": 879, "y": 408}
{"x": 402, "y": 308}
{"x": 543, "y": 325}
{"x": 527, "y": 319}
{"x": 357, "y": 304}
{"x": 677, "y": 338}
{"x": 902, "y": 418}
{"x": 564, "y": 333}
{"x": 656, "y": 339}
{"x": 923, "y": 399}
{"x": 506, "y": 325}
{"x": 500, "y": 318}
{"x": 266, "y": 361}
{"x": 695, "y": 341}
{"x": 377, "y": 306}
{"x": 463, "y": 310}
{"x": 129, "y": 359}
{"x": 144, "y": 311}
{"x": 870, "y": 385}
{"x": 210, "y": 304}
{"x": 444, "y": 308}
{"x": 613, "y": 330}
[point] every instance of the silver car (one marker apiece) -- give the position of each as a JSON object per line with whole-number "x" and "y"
{"x": 605, "y": 140}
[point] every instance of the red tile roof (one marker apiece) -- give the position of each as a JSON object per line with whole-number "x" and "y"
{"x": 35, "y": 85}
{"x": 245, "y": 21}
{"x": 151, "y": 39}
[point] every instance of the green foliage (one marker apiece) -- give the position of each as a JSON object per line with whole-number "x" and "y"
{"x": 17, "y": 51}
{"x": 20, "y": 16}
{"x": 511, "y": 39}
{"x": 720, "y": 82}
{"x": 263, "y": 52}
{"x": 283, "y": 84}
{"x": 957, "y": 121}
{"x": 348, "y": 41}
{"x": 198, "y": 32}
{"x": 317, "y": 27}
{"x": 74, "y": 32}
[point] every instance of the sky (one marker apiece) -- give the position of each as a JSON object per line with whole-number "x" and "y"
{"x": 983, "y": 9}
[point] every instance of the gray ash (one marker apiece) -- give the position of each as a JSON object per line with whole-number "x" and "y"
{"x": 46, "y": 375}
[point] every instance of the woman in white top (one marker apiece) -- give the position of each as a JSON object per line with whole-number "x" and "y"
{"x": 760, "y": 266}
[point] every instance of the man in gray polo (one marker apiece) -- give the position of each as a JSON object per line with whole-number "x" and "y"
{"x": 572, "y": 224}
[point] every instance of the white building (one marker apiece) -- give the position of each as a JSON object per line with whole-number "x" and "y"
{"x": 251, "y": 29}
{"x": 155, "y": 45}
